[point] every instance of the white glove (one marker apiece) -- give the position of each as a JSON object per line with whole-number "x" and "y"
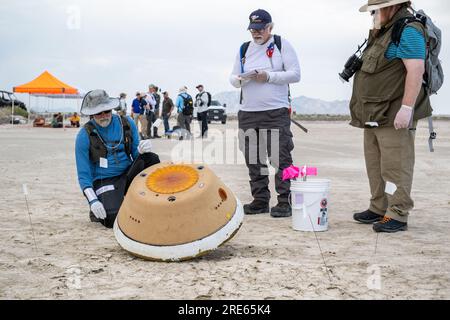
{"x": 98, "y": 210}
{"x": 403, "y": 118}
{"x": 261, "y": 77}
{"x": 145, "y": 146}
{"x": 238, "y": 82}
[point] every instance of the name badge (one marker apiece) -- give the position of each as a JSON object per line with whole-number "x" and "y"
{"x": 104, "y": 163}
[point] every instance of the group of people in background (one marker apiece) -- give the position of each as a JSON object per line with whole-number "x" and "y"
{"x": 149, "y": 111}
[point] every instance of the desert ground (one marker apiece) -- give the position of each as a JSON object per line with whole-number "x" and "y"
{"x": 62, "y": 255}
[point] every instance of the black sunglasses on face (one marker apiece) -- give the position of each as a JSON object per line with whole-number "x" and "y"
{"x": 103, "y": 112}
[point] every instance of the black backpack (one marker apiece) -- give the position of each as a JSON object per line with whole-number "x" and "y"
{"x": 188, "y": 104}
{"x": 199, "y": 96}
{"x": 209, "y": 98}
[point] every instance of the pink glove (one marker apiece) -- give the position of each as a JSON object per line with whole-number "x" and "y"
{"x": 403, "y": 118}
{"x": 291, "y": 173}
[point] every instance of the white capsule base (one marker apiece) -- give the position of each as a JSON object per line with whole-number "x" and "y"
{"x": 183, "y": 251}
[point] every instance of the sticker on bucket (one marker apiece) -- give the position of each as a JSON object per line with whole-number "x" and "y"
{"x": 323, "y": 218}
{"x": 299, "y": 199}
{"x": 310, "y": 204}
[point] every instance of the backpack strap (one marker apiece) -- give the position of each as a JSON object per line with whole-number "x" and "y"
{"x": 243, "y": 52}
{"x": 277, "y": 40}
{"x": 127, "y": 136}
{"x": 400, "y": 25}
{"x": 96, "y": 148}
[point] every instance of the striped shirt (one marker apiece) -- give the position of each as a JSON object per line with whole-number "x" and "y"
{"x": 412, "y": 46}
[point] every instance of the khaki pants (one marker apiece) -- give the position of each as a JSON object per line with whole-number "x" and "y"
{"x": 143, "y": 120}
{"x": 390, "y": 157}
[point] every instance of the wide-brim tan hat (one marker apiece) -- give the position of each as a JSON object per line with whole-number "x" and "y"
{"x": 378, "y": 4}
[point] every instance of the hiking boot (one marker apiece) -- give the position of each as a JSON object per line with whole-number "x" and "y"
{"x": 367, "y": 217}
{"x": 256, "y": 207}
{"x": 390, "y": 225}
{"x": 281, "y": 210}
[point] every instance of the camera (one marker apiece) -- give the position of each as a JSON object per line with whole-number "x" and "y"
{"x": 353, "y": 64}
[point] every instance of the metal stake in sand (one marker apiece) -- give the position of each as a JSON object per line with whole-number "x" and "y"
{"x": 376, "y": 243}
{"x": 25, "y": 192}
{"x": 305, "y": 172}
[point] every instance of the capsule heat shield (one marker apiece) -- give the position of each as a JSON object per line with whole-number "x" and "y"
{"x": 177, "y": 212}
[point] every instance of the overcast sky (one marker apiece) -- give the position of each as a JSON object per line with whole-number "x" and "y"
{"x": 126, "y": 45}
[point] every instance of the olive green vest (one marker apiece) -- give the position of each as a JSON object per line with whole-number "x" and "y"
{"x": 379, "y": 86}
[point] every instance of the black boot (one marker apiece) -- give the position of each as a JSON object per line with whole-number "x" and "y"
{"x": 281, "y": 210}
{"x": 367, "y": 217}
{"x": 256, "y": 207}
{"x": 155, "y": 133}
{"x": 390, "y": 225}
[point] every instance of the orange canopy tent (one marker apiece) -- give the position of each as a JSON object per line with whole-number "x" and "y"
{"x": 46, "y": 84}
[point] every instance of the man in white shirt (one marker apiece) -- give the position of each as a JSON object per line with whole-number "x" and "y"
{"x": 201, "y": 103}
{"x": 263, "y": 70}
{"x": 150, "y": 112}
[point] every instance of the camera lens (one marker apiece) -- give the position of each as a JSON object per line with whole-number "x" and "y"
{"x": 345, "y": 75}
{"x": 351, "y": 67}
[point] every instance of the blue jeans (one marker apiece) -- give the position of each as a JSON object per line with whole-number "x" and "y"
{"x": 166, "y": 123}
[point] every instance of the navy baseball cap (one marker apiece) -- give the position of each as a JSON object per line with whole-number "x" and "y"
{"x": 259, "y": 19}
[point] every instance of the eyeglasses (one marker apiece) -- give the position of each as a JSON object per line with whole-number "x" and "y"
{"x": 103, "y": 112}
{"x": 257, "y": 31}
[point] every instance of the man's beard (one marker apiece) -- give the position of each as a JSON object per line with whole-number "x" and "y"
{"x": 103, "y": 122}
{"x": 259, "y": 41}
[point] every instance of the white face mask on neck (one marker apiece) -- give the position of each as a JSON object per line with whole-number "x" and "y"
{"x": 376, "y": 20}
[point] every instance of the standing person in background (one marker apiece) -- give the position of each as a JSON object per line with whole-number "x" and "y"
{"x": 136, "y": 111}
{"x": 202, "y": 102}
{"x": 122, "y": 109}
{"x": 185, "y": 108}
{"x": 154, "y": 91}
{"x": 143, "y": 115}
{"x": 150, "y": 112}
{"x": 167, "y": 109}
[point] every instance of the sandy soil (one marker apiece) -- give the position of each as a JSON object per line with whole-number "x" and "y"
{"x": 75, "y": 259}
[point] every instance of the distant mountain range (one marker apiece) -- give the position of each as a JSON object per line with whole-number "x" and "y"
{"x": 301, "y": 105}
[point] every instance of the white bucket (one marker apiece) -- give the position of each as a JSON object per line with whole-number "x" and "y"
{"x": 309, "y": 200}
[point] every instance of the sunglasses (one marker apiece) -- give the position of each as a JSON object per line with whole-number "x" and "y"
{"x": 103, "y": 112}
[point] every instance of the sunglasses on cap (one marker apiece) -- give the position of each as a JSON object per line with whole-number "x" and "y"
{"x": 103, "y": 112}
